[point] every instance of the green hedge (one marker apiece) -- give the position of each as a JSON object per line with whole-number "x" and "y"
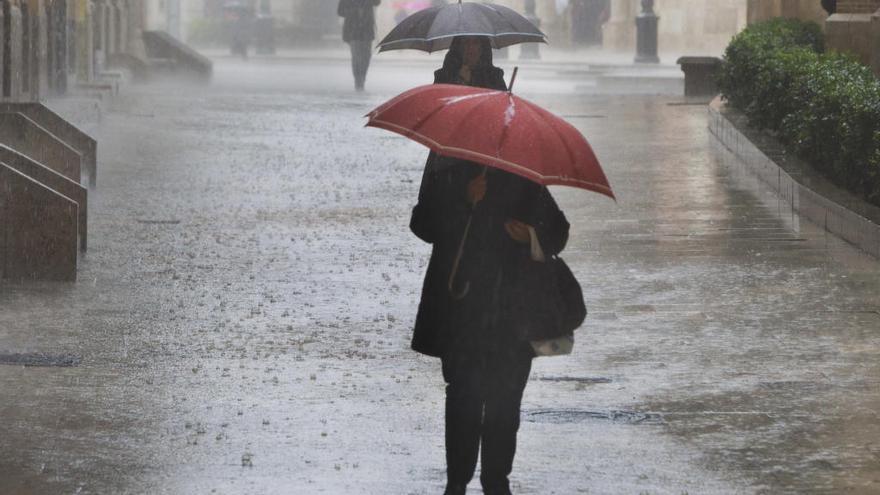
{"x": 824, "y": 106}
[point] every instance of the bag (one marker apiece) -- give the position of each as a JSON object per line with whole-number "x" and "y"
{"x": 561, "y": 346}
{"x": 548, "y": 305}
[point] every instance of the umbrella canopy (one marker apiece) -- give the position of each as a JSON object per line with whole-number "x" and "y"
{"x": 494, "y": 128}
{"x": 434, "y": 28}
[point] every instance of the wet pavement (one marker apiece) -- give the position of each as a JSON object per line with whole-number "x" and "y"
{"x": 242, "y": 318}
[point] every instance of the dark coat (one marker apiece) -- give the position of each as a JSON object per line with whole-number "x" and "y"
{"x": 479, "y": 321}
{"x": 360, "y": 19}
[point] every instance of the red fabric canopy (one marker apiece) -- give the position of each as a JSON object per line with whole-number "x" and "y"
{"x": 494, "y": 128}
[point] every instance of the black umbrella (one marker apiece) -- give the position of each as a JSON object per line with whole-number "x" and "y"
{"x": 434, "y": 28}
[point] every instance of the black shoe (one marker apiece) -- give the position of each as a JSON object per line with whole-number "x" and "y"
{"x": 497, "y": 489}
{"x": 455, "y": 490}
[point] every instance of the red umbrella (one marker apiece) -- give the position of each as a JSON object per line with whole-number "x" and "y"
{"x": 497, "y": 129}
{"x": 494, "y": 128}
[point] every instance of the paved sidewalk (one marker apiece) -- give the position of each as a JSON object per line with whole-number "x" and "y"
{"x": 243, "y": 315}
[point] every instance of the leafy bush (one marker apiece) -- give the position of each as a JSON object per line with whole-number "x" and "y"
{"x": 824, "y": 106}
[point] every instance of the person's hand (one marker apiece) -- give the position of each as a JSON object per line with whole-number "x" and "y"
{"x": 476, "y": 189}
{"x": 518, "y": 231}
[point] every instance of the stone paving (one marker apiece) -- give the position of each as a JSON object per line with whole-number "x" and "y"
{"x": 242, "y": 318}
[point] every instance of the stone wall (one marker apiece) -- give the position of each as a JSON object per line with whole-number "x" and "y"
{"x": 759, "y": 10}
{"x": 854, "y": 29}
{"x": 858, "y": 6}
{"x": 38, "y": 230}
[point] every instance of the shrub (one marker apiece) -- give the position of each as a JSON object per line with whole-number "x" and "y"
{"x": 750, "y": 50}
{"x": 824, "y": 106}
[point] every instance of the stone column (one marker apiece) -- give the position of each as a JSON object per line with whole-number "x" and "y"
{"x": 136, "y": 23}
{"x": 647, "y": 34}
{"x": 12, "y": 52}
{"x": 852, "y": 29}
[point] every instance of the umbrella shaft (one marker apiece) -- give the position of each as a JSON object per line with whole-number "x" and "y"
{"x": 457, "y": 261}
{"x": 458, "y": 255}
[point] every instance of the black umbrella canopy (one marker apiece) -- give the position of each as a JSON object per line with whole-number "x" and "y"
{"x": 434, "y": 28}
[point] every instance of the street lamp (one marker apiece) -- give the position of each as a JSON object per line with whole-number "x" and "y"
{"x": 646, "y": 34}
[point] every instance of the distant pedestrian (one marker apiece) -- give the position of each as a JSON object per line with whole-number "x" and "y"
{"x": 587, "y": 19}
{"x": 359, "y": 30}
{"x": 470, "y": 325}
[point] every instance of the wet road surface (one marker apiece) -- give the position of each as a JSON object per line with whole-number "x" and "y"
{"x": 242, "y": 318}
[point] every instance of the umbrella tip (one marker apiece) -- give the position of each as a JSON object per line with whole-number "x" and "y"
{"x": 512, "y": 79}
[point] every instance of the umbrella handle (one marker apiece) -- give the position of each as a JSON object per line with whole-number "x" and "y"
{"x": 457, "y": 262}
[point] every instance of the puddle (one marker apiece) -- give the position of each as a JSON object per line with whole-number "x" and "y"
{"x": 40, "y": 359}
{"x": 588, "y": 380}
{"x": 157, "y": 222}
{"x": 561, "y": 416}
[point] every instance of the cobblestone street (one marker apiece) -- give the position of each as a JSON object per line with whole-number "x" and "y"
{"x": 242, "y": 319}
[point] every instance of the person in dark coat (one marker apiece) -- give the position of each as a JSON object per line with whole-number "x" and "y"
{"x": 587, "y": 18}
{"x": 359, "y": 31}
{"x": 485, "y": 358}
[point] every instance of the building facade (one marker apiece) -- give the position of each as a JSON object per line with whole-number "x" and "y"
{"x": 51, "y": 46}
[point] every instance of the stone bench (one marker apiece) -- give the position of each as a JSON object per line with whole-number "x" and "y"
{"x": 700, "y": 75}
{"x": 38, "y": 230}
{"x": 54, "y": 181}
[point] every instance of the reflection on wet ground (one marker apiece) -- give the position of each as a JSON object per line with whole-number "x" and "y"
{"x": 241, "y": 321}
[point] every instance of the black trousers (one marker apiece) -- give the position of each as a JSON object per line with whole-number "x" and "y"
{"x": 483, "y": 397}
{"x": 361, "y": 52}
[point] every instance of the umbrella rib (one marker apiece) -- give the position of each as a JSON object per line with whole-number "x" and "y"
{"x": 558, "y": 136}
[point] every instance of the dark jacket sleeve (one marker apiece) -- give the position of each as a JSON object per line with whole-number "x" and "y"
{"x": 441, "y": 208}
{"x": 551, "y": 226}
{"x": 423, "y": 221}
{"x": 343, "y": 8}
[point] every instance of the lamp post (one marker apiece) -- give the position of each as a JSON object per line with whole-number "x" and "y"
{"x": 646, "y": 34}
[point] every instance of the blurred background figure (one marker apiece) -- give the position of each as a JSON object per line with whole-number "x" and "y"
{"x": 587, "y": 18}
{"x": 403, "y": 8}
{"x": 239, "y": 15}
{"x": 359, "y": 30}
